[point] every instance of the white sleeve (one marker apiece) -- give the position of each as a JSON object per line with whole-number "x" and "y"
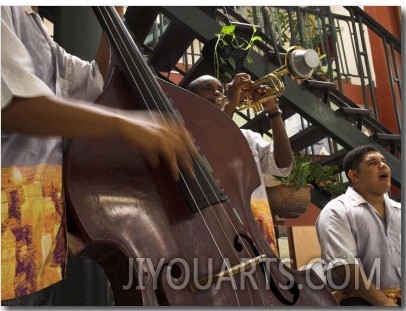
{"x": 17, "y": 71}
{"x": 264, "y": 151}
{"x": 338, "y": 245}
{"x": 78, "y": 79}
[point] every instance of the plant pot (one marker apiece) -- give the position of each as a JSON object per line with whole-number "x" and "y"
{"x": 288, "y": 202}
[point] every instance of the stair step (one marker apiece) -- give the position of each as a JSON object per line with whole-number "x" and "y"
{"x": 319, "y": 85}
{"x": 354, "y": 115}
{"x": 320, "y": 89}
{"x": 306, "y": 137}
{"x": 171, "y": 46}
{"x": 387, "y": 138}
{"x": 335, "y": 158}
{"x": 349, "y": 111}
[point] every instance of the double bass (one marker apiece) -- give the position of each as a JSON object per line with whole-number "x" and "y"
{"x": 190, "y": 243}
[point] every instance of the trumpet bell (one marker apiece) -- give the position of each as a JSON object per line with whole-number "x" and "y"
{"x": 301, "y": 62}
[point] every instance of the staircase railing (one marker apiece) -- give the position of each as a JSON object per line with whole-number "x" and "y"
{"x": 340, "y": 40}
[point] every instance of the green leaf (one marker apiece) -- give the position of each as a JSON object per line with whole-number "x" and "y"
{"x": 228, "y": 75}
{"x": 231, "y": 62}
{"x": 228, "y": 29}
{"x": 256, "y": 38}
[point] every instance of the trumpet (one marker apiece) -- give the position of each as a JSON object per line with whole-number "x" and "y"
{"x": 299, "y": 62}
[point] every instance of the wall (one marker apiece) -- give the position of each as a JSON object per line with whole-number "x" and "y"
{"x": 388, "y": 17}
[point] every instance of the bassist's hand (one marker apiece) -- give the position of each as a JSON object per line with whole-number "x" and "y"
{"x": 159, "y": 140}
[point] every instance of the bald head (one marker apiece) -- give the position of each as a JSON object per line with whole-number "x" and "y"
{"x": 208, "y": 87}
{"x": 198, "y": 82}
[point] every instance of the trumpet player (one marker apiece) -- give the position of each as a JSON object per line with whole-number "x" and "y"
{"x": 272, "y": 158}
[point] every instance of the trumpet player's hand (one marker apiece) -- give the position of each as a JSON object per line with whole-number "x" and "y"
{"x": 271, "y": 105}
{"x": 236, "y": 90}
{"x": 261, "y": 93}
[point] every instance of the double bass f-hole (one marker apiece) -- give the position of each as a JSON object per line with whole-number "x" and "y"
{"x": 291, "y": 284}
{"x": 176, "y": 272}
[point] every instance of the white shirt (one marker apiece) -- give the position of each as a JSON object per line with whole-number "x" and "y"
{"x": 33, "y": 65}
{"x": 350, "y": 230}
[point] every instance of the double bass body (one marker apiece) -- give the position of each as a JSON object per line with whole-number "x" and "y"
{"x": 127, "y": 214}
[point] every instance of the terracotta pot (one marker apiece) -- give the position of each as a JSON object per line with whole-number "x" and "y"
{"x": 288, "y": 202}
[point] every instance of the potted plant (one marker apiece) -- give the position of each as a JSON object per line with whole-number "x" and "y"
{"x": 291, "y": 196}
{"x": 230, "y": 48}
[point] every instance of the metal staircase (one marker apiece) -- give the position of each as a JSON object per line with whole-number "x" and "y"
{"x": 172, "y": 38}
{"x": 329, "y": 112}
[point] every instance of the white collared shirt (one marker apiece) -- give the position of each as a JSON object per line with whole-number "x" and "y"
{"x": 350, "y": 230}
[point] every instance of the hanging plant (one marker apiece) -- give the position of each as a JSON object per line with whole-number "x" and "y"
{"x": 228, "y": 51}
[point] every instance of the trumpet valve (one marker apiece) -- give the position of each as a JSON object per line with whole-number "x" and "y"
{"x": 257, "y": 107}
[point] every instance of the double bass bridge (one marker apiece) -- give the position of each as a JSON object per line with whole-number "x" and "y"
{"x": 227, "y": 273}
